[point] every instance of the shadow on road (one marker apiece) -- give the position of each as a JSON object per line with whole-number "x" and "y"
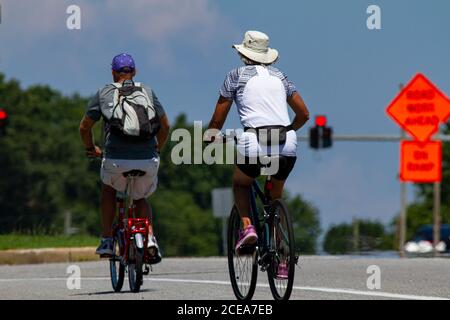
{"x": 112, "y": 292}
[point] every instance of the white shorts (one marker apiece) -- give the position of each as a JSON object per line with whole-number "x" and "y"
{"x": 248, "y": 146}
{"x": 112, "y": 170}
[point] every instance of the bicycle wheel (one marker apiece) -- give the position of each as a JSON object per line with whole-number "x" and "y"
{"x": 243, "y": 268}
{"x": 282, "y": 242}
{"x": 116, "y": 268}
{"x": 135, "y": 276}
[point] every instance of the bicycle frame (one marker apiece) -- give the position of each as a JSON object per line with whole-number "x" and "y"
{"x": 128, "y": 226}
{"x": 262, "y": 229}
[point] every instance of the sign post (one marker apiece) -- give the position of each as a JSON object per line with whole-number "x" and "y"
{"x": 436, "y": 217}
{"x": 222, "y": 203}
{"x": 419, "y": 109}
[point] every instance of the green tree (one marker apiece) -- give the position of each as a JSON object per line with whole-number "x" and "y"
{"x": 183, "y": 227}
{"x": 43, "y": 172}
{"x": 305, "y": 218}
{"x": 197, "y": 179}
{"x": 339, "y": 239}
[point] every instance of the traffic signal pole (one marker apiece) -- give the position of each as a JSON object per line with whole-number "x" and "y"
{"x": 373, "y": 138}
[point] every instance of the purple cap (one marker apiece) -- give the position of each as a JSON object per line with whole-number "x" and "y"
{"x": 121, "y": 61}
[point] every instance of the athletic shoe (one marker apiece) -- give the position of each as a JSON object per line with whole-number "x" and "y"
{"x": 153, "y": 250}
{"x": 282, "y": 272}
{"x": 106, "y": 247}
{"x": 247, "y": 237}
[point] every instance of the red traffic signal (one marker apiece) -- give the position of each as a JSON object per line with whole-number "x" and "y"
{"x": 3, "y": 115}
{"x": 3, "y": 122}
{"x": 321, "y": 136}
{"x": 321, "y": 121}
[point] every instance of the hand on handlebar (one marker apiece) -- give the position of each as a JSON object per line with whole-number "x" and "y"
{"x": 212, "y": 136}
{"x": 95, "y": 152}
{"x": 220, "y": 137}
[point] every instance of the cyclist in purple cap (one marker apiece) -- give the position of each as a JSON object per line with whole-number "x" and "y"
{"x": 134, "y": 135}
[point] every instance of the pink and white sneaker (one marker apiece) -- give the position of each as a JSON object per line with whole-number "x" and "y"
{"x": 247, "y": 237}
{"x": 282, "y": 272}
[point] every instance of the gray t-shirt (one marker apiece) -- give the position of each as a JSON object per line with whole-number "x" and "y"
{"x": 116, "y": 147}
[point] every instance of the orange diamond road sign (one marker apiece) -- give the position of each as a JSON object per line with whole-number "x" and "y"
{"x": 420, "y": 108}
{"x": 421, "y": 162}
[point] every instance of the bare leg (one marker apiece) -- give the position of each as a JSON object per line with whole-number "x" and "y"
{"x": 277, "y": 190}
{"x": 241, "y": 189}
{"x": 143, "y": 210}
{"x": 108, "y": 209}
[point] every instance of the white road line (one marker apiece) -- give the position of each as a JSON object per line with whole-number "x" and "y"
{"x": 261, "y": 285}
{"x": 319, "y": 289}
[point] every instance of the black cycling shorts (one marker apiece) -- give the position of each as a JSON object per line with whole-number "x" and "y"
{"x": 253, "y": 169}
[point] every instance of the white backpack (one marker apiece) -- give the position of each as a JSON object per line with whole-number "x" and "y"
{"x": 133, "y": 114}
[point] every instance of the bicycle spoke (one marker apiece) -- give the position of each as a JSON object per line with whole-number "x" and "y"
{"x": 242, "y": 265}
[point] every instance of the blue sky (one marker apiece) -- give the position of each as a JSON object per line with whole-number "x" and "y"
{"x": 183, "y": 50}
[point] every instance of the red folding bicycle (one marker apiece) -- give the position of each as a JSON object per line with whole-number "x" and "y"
{"x": 130, "y": 237}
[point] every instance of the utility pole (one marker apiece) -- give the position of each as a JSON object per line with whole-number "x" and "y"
{"x": 436, "y": 217}
{"x": 355, "y": 235}
{"x": 67, "y": 223}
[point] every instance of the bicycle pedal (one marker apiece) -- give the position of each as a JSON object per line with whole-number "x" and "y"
{"x": 146, "y": 270}
{"x": 105, "y": 256}
{"x": 247, "y": 250}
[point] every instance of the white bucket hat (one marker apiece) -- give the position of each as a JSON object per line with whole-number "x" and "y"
{"x": 255, "y": 46}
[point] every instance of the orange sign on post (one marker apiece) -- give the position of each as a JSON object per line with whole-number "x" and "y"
{"x": 420, "y": 108}
{"x": 421, "y": 162}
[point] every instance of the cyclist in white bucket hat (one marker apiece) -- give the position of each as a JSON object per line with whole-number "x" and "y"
{"x": 256, "y": 47}
{"x": 261, "y": 93}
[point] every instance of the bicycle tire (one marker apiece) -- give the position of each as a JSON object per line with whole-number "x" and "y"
{"x": 280, "y": 207}
{"x": 234, "y": 225}
{"x": 116, "y": 267}
{"x": 135, "y": 274}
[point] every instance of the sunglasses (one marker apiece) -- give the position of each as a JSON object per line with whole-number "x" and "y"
{"x": 125, "y": 70}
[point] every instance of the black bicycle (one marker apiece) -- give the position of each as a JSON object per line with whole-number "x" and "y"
{"x": 275, "y": 248}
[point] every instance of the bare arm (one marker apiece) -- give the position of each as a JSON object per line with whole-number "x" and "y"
{"x": 163, "y": 132}
{"x": 88, "y": 138}
{"x": 301, "y": 111}
{"x": 220, "y": 114}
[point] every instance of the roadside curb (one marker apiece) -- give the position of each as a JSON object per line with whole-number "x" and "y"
{"x": 47, "y": 255}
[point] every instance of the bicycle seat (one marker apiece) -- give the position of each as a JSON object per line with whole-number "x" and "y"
{"x": 133, "y": 173}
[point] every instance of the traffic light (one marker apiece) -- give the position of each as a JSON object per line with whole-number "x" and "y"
{"x": 314, "y": 137}
{"x": 327, "y": 137}
{"x": 3, "y": 121}
{"x": 320, "y": 136}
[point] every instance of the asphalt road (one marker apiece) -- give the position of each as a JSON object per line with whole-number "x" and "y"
{"x": 207, "y": 278}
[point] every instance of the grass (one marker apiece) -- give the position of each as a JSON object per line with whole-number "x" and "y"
{"x": 19, "y": 241}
